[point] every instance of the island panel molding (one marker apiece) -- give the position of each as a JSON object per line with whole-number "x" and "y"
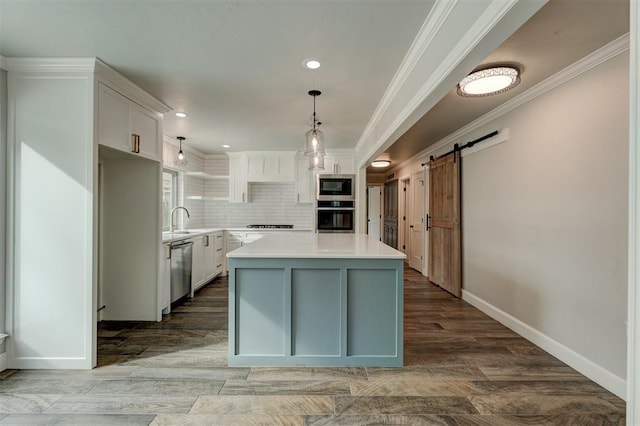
{"x": 337, "y": 309}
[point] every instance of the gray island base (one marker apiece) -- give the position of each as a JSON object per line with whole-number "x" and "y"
{"x": 316, "y": 300}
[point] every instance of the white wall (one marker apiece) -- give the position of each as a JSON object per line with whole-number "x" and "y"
{"x": 3, "y": 199}
{"x": 545, "y": 221}
{"x": 545, "y": 216}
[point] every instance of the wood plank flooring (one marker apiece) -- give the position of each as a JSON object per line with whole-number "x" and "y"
{"x": 461, "y": 368}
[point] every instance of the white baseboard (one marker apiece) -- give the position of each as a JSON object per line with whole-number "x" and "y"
{"x": 593, "y": 371}
{"x": 3, "y": 361}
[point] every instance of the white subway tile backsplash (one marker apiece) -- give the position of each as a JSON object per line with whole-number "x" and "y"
{"x": 270, "y": 203}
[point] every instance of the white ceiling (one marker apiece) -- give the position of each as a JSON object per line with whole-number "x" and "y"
{"x": 234, "y": 66}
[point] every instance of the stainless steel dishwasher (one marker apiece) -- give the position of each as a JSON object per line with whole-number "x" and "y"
{"x": 180, "y": 269}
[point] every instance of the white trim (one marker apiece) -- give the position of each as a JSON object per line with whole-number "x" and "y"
{"x": 3, "y": 63}
{"x": 51, "y": 64}
{"x": 609, "y": 51}
{"x": 129, "y": 89}
{"x": 437, "y": 16}
{"x": 633, "y": 295}
{"x": 593, "y": 371}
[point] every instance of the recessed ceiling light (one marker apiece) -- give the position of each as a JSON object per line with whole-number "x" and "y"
{"x": 311, "y": 63}
{"x": 225, "y": 146}
{"x": 489, "y": 81}
{"x": 380, "y": 163}
{"x": 181, "y": 114}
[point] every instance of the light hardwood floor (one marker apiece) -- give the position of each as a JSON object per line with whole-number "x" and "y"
{"x": 461, "y": 368}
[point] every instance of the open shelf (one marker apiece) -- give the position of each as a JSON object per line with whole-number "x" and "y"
{"x": 204, "y": 175}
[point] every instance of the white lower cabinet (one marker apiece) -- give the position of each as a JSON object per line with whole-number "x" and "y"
{"x": 164, "y": 283}
{"x": 204, "y": 263}
{"x": 209, "y": 258}
{"x": 197, "y": 263}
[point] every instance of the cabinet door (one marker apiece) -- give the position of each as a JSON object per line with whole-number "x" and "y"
{"x": 237, "y": 180}
{"x": 209, "y": 257}
{"x": 219, "y": 252}
{"x": 328, "y": 167}
{"x": 344, "y": 165}
{"x": 197, "y": 265}
{"x": 113, "y": 119}
{"x": 164, "y": 283}
{"x": 146, "y": 127}
{"x": 305, "y": 182}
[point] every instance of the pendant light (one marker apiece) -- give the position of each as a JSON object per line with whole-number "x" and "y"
{"x": 316, "y": 162}
{"x": 314, "y": 137}
{"x": 181, "y": 159}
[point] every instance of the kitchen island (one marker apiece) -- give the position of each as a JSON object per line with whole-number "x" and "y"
{"x": 316, "y": 299}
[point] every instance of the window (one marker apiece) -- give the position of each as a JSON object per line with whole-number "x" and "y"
{"x": 169, "y": 195}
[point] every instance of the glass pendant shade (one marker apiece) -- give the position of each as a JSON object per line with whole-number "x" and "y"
{"x": 180, "y": 159}
{"x": 316, "y": 162}
{"x": 315, "y": 142}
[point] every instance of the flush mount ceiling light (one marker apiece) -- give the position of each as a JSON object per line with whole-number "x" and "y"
{"x": 226, "y": 146}
{"x": 489, "y": 81}
{"x": 383, "y": 160}
{"x": 314, "y": 137}
{"x": 380, "y": 163}
{"x": 311, "y": 63}
{"x": 181, "y": 159}
{"x": 181, "y": 114}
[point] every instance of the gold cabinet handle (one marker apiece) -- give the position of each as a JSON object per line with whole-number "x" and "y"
{"x": 135, "y": 139}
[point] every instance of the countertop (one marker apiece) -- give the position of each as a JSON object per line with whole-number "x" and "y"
{"x": 192, "y": 233}
{"x": 312, "y": 245}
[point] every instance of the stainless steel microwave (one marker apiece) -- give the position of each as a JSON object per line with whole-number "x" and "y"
{"x": 336, "y": 187}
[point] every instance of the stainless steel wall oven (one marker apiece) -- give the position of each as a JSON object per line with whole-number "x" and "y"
{"x": 335, "y": 216}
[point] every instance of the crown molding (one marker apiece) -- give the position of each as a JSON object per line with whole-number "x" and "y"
{"x": 3, "y": 63}
{"x": 597, "y": 57}
{"x": 128, "y": 88}
{"x": 437, "y": 16}
{"x": 51, "y": 64}
{"x": 472, "y": 37}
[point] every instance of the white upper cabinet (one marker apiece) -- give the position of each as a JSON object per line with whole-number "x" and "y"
{"x": 238, "y": 180}
{"x": 271, "y": 166}
{"x": 126, "y": 126}
{"x": 305, "y": 182}
{"x": 339, "y": 165}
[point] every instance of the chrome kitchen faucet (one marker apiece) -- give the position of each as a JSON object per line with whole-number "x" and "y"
{"x": 171, "y": 225}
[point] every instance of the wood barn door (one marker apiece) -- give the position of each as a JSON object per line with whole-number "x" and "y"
{"x": 445, "y": 266}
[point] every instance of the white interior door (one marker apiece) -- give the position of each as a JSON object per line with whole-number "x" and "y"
{"x": 425, "y": 216}
{"x": 416, "y": 222}
{"x": 373, "y": 211}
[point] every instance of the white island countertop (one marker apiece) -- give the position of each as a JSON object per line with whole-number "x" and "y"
{"x": 312, "y": 245}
